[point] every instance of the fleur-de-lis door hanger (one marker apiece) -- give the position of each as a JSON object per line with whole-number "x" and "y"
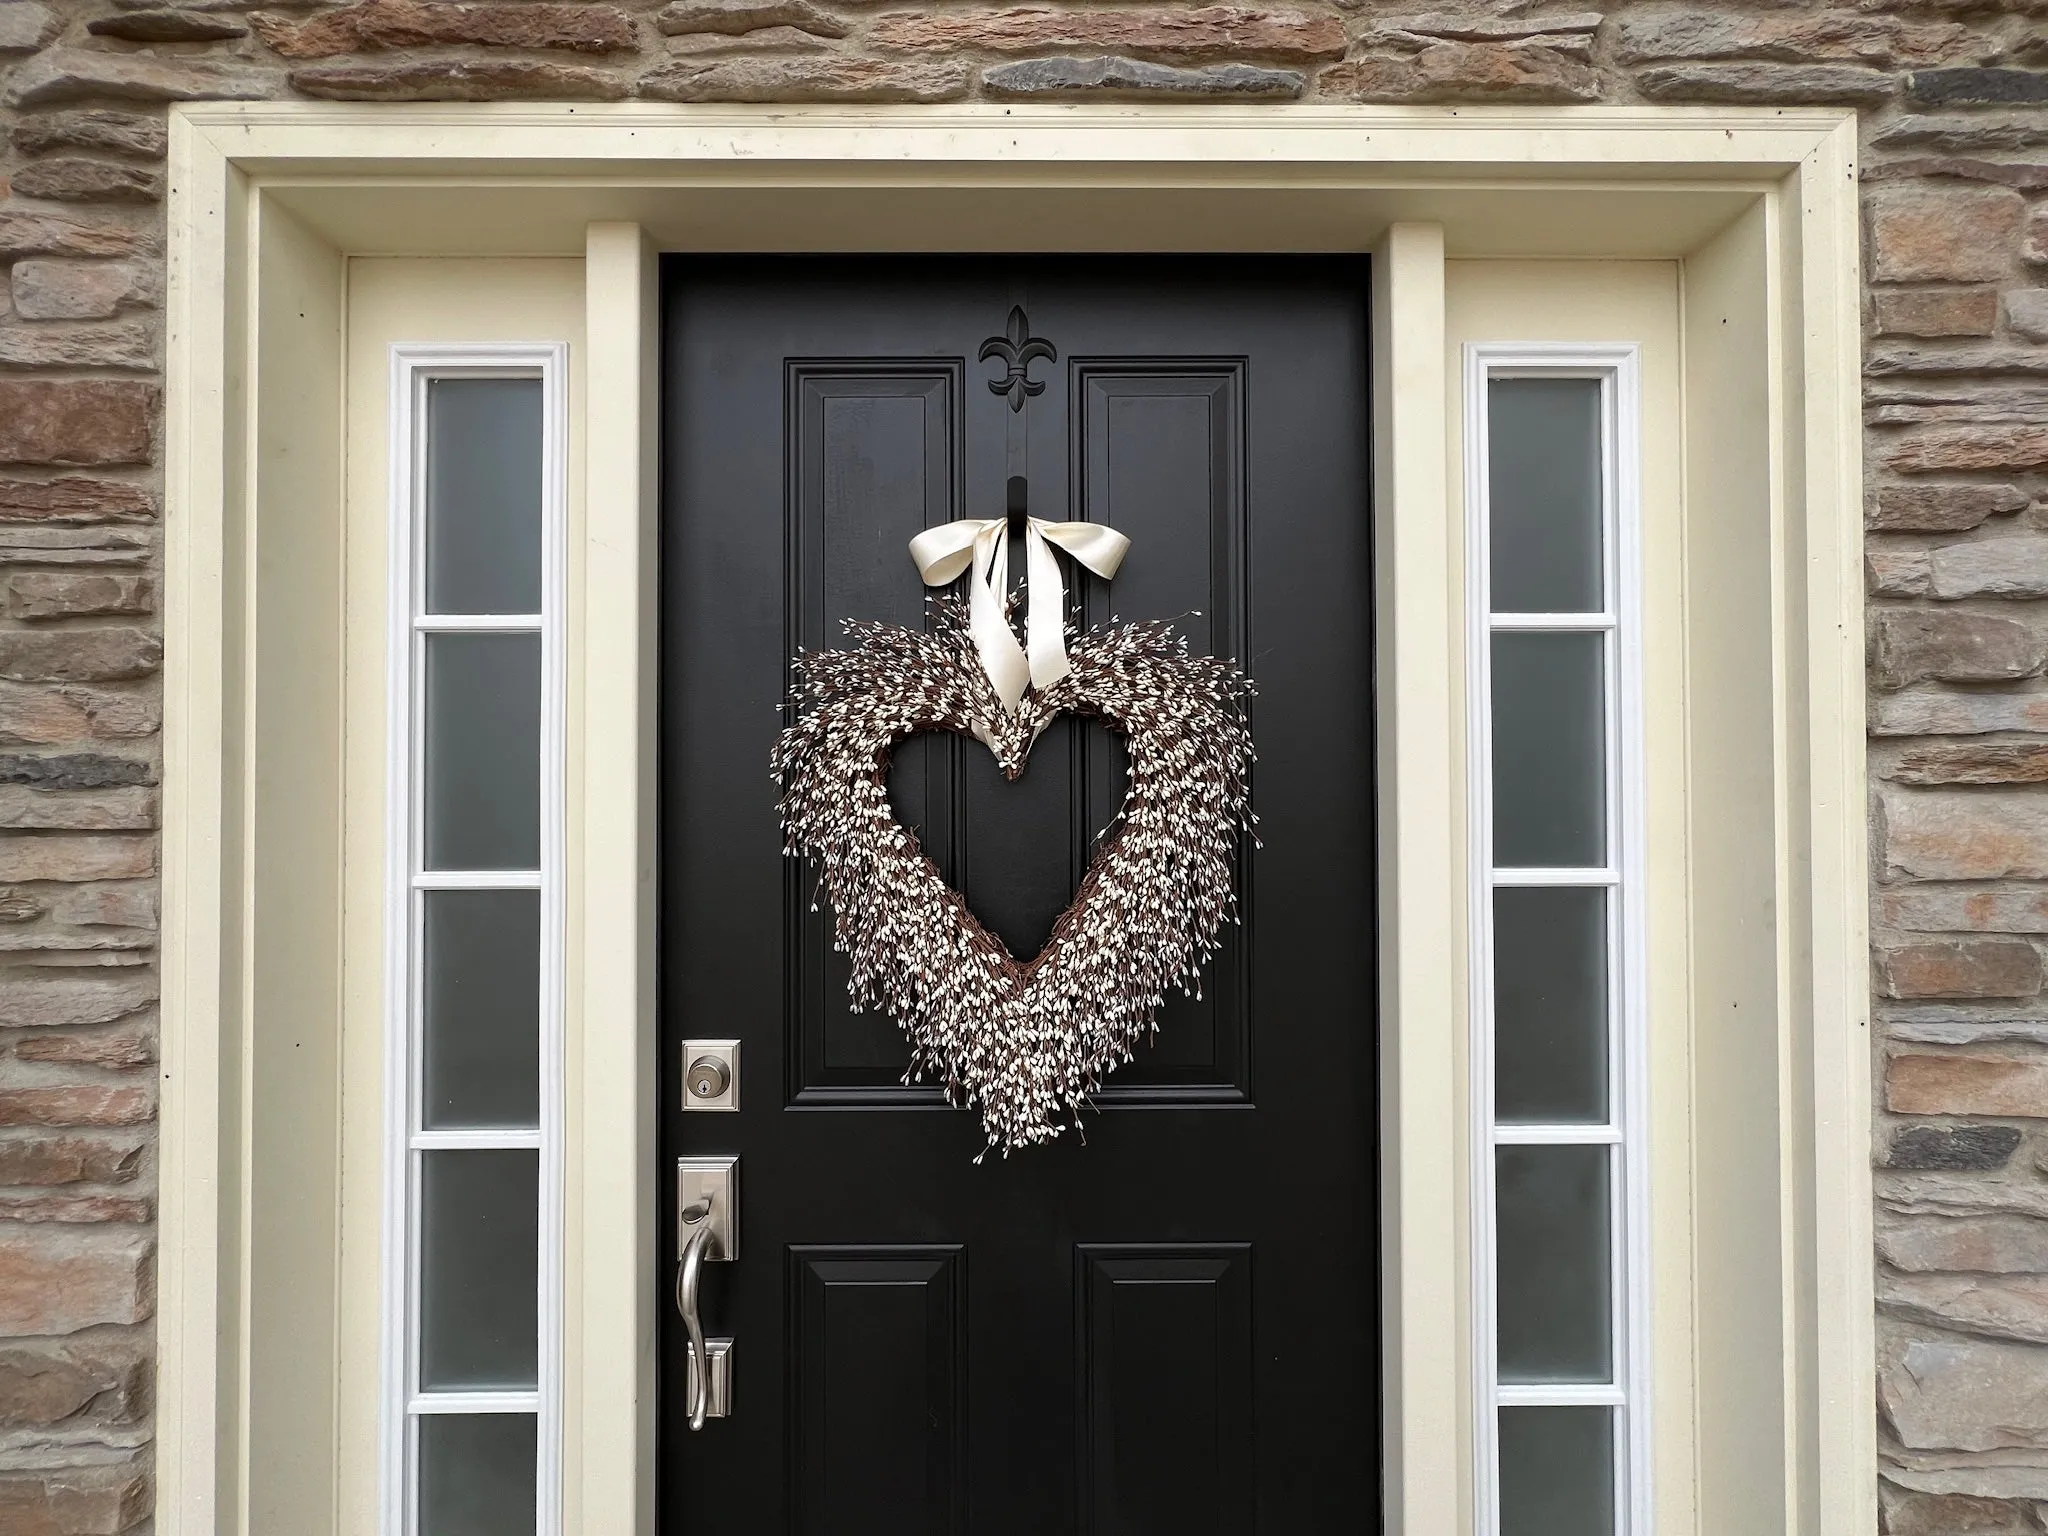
{"x": 1018, "y": 350}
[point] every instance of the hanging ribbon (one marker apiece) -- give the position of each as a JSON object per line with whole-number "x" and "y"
{"x": 981, "y": 544}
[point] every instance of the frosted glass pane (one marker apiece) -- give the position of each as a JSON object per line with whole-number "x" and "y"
{"x": 483, "y": 751}
{"x": 1549, "y": 751}
{"x": 477, "y": 1474}
{"x": 1556, "y": 1471}
{"x": 481, "y": 997}
{"x": 479, "y": 1269}
{"x": 483, "y": 495}
{"x": 1550, "y": 1004}
{"x": 1543, "y": 495}
{"x": 1552, "y": 1234}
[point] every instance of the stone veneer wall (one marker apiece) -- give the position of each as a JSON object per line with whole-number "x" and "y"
{"x": 1955, "y": 97}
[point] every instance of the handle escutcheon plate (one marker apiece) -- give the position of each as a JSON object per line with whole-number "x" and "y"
{"x": 718, "y": 1401}
{"x": 707, "y": 1231}
{"x": 717, "y": 1180}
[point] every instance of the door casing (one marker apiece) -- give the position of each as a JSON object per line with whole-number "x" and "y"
{"x": 266, "y": 201}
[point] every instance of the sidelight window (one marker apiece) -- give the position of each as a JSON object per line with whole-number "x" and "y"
{"x": 474, "y": 1038}
{"x": 1559, "y": 1235}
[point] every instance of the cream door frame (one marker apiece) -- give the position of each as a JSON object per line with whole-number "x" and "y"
{"x": 267, "y": 203}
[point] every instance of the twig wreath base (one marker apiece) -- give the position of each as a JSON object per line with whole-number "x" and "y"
{"x": 1027, "y": 1041}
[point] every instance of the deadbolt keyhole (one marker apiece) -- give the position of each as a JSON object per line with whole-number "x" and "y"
{"x": 709, "y": 1078}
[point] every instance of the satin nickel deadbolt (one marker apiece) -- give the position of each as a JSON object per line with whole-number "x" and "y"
{"x": 707, "y": 1231}
{"x": 711, "y": 1078}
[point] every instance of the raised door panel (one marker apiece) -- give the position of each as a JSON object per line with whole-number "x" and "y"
{"x": 1157, "y": 450}
{"x": 873, "y": 452}
{"x": 877, "y": 1383}
{"x": 1163, "y": 1377}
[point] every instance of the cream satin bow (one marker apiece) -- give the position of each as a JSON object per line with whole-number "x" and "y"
{"x": 943, "y": 553}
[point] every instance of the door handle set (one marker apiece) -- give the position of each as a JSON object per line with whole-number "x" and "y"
{"x": 707, "y": 1231}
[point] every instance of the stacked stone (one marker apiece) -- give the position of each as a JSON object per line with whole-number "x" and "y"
{"x": 1956, "y": 402}
{"x": 1955, "y": 101}
{"x": 80, "y": 230}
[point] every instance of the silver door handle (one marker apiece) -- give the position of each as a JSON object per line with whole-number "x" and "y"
{"x": 707, "y": 1221}
{"x": 688, "y": 1273}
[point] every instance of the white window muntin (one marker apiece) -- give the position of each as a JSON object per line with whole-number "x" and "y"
{"x": 414, "y": 369}
{"x": 1618, "y": 621}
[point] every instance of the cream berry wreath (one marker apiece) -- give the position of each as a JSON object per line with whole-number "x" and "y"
{"x": 1026, "y": 1041}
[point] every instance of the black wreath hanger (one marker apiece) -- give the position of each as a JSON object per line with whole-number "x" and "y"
{"x": 1018, "y": 349}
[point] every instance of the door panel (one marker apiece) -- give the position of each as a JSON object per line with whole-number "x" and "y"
{"x": 1159, "y": 449}
{"x": 872, "y": 452}
{"x": 877, "y": 1367}
{"x": 1069, "y": 1339}
{"x": 1165, "y": 1388}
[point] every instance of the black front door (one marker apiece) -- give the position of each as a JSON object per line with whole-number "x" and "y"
{"x": 1163, "y": 1323}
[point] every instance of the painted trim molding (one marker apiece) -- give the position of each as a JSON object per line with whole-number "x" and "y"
{"x": 269, "y": 204}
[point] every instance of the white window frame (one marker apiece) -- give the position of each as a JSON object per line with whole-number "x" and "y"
{"x": 413, "y": 368}
{"x": 1617, "y": 368}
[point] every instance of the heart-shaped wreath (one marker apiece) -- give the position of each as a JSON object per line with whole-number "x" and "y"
{"x": 1027, "y": 1041}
